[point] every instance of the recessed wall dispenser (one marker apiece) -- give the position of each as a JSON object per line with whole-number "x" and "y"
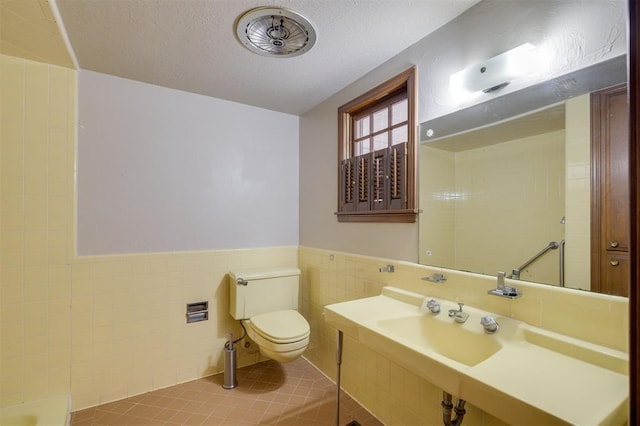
{"x": 198, "y": 311}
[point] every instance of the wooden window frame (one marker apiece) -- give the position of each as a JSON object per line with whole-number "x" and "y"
{"x": 380, "y": 95}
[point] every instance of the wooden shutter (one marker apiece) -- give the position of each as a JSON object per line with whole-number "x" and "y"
{"x": 379, "y": 179}
{"x": 348, "y": 184}
{"x": 398, "y": 176}
{"x": 375, "y": 181}
{"x": 363, "y": 193}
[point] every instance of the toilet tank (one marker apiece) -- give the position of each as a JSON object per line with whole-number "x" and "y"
{"x": 266, "y": 290}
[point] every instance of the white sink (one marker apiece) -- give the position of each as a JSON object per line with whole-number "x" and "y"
{"x": 521, "y": 374}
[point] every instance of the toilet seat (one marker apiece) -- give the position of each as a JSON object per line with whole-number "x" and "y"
{"x": 281, "y": 327}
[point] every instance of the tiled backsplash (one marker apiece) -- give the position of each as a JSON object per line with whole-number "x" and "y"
{"x": 392, "y": 393}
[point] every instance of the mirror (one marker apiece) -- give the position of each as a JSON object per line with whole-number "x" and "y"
{"x": 500, "y": 187}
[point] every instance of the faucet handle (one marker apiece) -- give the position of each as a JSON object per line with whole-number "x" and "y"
{"x": 460, "y": 305}
{"x": 489, "y": 323}
{"x": 433, "y": 306}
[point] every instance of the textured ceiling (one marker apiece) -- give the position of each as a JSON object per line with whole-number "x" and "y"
{"x": 28, "y": 30}
{"x": 190, "y": 45}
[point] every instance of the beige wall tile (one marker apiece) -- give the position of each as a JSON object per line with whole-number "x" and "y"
{"x": 508, "y": 169}
{"x": 44, "y": 278}
{"x": 578, "y": 202}
{"x": 133, "y": 315}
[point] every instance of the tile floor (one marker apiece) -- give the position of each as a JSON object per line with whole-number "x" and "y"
{"x": 268, "y": 393}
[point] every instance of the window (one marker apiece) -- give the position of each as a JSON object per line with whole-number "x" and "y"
{"x": 377, "y": 161}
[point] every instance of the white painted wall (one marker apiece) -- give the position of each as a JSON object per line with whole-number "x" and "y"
{"x": 165, "y": 170}
{"x": 574, "y": 33}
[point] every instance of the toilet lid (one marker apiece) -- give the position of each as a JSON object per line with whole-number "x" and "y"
{"x": 281, "y": 326}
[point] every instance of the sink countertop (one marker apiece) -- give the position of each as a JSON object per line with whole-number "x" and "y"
{"x": 521, "y": 382}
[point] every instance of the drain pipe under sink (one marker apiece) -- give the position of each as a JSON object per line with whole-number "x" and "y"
{"x": 447, "y": 406}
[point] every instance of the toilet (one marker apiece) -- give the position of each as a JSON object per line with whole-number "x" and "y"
{"x": 266, "y": 302}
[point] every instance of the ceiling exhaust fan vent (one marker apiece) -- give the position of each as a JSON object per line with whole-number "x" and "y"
{"x": 275, "y": 31}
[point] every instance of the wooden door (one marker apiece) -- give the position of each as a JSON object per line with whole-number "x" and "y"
{"x": 610, "y": 189}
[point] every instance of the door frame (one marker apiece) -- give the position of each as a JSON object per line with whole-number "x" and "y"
{"x": 634, "y": 193}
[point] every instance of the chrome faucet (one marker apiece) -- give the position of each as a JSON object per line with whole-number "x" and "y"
{"x": 489, "y": 323}
{"x": 458, "y": 315}
{"x": 501, "y": 285}
{"x": 504, "y": 290}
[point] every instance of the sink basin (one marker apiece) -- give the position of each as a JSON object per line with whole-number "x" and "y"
{"x": 449, "y": 339}
{"x": 522, "y": 374}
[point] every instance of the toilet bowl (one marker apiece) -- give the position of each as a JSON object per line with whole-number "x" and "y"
{"x": 282, "y": 335}
{"x": 266, "y": 303}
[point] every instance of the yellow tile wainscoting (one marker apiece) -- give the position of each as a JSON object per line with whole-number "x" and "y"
{"x": 38, "y": 113}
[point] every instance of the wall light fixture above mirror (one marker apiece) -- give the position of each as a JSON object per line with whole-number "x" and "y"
{"x": 496, "y": 73}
